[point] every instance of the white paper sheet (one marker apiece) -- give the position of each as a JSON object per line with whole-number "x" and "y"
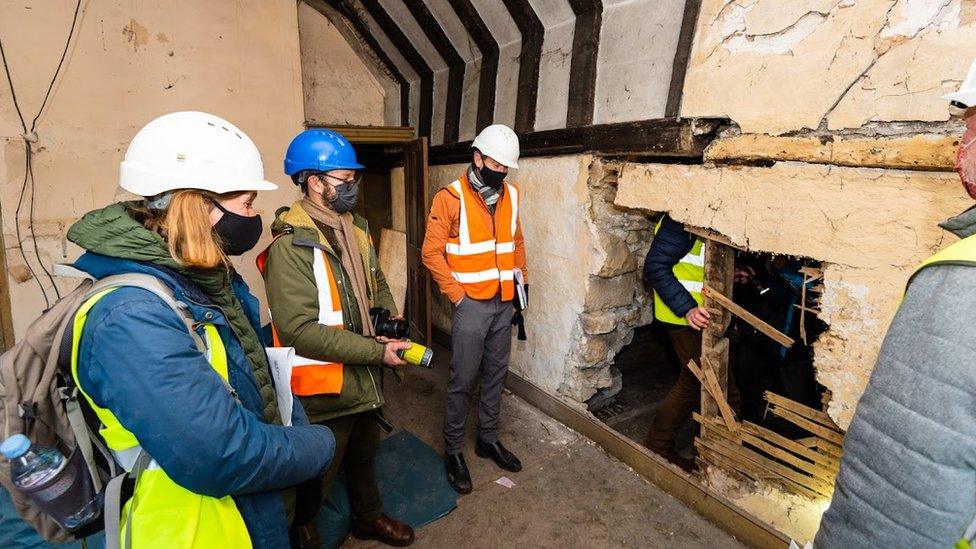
{"x": 281, "y": 359}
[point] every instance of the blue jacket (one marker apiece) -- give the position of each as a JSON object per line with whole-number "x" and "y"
{"x": 137, "y": 359}
{"x": 670, "y": 244}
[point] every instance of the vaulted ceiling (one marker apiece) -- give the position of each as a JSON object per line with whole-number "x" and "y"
{"x": 460, "y": 65}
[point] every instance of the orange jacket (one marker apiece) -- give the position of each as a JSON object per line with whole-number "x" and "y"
{"x": 443, "y": 224}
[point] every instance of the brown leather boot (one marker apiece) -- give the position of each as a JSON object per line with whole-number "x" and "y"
{"x": 384, "y": 530}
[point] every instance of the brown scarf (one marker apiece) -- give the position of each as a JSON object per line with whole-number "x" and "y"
{"x": 348, "y": 250}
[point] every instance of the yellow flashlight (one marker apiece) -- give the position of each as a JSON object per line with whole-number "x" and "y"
{"x": 418, "y": 355}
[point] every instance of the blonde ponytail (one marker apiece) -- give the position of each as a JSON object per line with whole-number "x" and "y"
{"x": 185, "y": 226}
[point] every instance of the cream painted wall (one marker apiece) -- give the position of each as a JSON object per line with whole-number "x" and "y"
{"x": 338, "y": 87}
{"x": 132, "y": 61}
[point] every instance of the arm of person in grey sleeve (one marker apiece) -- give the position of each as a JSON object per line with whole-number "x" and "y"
{"x": 908, "y": 471}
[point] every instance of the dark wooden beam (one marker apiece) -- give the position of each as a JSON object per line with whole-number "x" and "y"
{"x": 417, "y": 62}
{"x": 582, "y": 66}
{"x": 533, "y": 32}
{"x": 359, "y": 26}
{"x": 455, "y": 66}
{"x": 488, "y": 46}
{"x": 685, "y": 41}
{"x": 662, "y": 138}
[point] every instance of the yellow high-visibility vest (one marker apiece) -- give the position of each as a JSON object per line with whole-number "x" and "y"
{"x": 690, "y": 272}
{"x": 165, "y": 515}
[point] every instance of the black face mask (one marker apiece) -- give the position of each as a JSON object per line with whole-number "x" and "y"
{"x": 345, "y": 198}
{"x": 490, "y": 177}
{"x": 238, "y": 233}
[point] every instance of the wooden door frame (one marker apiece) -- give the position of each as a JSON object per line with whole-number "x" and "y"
{"x": 6, "y": 314}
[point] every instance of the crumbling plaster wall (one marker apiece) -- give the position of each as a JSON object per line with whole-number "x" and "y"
{"x": 870, "y": 227}
{"x": 131, "y": 62}
{"x": 584, "y": 259}
{"x": 775, "y": 67}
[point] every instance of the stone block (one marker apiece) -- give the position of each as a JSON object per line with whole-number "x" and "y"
{"x": 618, "y": 259}
{"x": 610, "y": 293}
{"x": 598, "y": 323}
{"x": 596, "y": 349}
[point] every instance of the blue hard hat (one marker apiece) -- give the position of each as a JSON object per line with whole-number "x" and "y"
{"x": 320, "y": 150}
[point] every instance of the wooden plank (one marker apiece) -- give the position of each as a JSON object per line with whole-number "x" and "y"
{"x": 748, "y": 528}
{"x": 530, "y": 56}
{"x": 393, "y": 263}
{"x": 664, "y": 138}
{"x": 824, "y": 472}
{"x": 682, "y": 54}
{"x": 812, "y": 486}
{"x": 712, "y": 235}
{"x": 818, "y": 472}
{"x": 793, "y": 446}
{"x": 6, "y": 313}
{"x": 819, "y": 430}
{"x": 718, "y": 394}
{"x": 719, "y": 270}
{"x": 810, "y": 413}
{"x": 752, "y": 319}
{"x": 370, "y": 135}
{"x": 583, "y": 63}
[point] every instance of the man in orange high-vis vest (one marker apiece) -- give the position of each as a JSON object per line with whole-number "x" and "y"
{"x": 474, "y": 250}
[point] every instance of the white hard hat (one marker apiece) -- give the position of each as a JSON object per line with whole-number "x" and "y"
{"x": 967, "y": 92}
{"x": 500, "y": 143}
{"x": 192, "y": 150}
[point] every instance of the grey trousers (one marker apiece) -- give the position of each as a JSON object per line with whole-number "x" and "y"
{"x": 481, "y": 337}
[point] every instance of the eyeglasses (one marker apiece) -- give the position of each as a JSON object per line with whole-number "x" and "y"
{"x": 355, "y": 180}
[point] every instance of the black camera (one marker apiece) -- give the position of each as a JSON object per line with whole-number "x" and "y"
{"x": 385, "y": 326}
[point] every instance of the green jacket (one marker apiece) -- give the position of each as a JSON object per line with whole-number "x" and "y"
{"x": 293, "y": 300}
{"x": 111, "y": 231}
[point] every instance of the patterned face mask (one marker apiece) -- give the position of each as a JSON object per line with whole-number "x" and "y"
{"x": 966, "y": 157}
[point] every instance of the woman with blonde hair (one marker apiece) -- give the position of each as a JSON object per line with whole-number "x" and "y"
{"x": 193, "y": 413}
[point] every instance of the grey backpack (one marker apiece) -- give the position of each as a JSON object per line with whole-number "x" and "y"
{"x": 38, "y": 398}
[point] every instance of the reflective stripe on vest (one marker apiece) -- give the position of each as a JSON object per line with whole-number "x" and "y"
{"x": 960, "y": 253}
{"x": 483, "y": 258}
{"x": 690, "y": 272}
{"x": 167, "y": 515}
{"x": 311, "y": 377}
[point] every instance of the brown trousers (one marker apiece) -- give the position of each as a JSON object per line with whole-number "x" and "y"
{"x": 685, "y": 395}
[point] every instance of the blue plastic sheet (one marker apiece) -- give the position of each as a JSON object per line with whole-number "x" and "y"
{"x": 412, "y": 483}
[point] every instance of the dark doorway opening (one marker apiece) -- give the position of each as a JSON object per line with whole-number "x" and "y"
{"x": 782, "y": 291}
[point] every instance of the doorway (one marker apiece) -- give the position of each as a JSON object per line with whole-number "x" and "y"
{"x": 382, "y": 149}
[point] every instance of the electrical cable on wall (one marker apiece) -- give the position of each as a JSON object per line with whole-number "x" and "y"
{"x": 30, "y": 137}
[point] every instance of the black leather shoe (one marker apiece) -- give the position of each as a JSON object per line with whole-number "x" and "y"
{"x": 457, "y": 473}
{"x": 502, "y": 457}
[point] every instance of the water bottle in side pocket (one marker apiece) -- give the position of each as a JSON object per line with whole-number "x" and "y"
{"x": 59, "y": 486}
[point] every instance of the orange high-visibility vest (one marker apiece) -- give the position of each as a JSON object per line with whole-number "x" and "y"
{"x": 482, "y": 258}
{"x": 311, "y": 377}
